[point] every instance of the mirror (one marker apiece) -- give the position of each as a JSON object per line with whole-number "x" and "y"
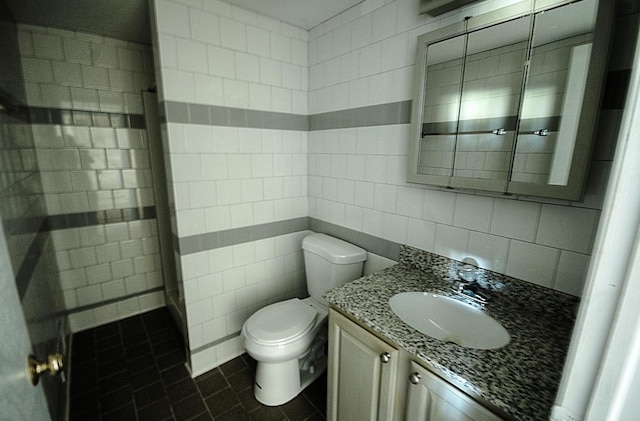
{"x": 505, "y": 101}
{"x": 554, "y": 90}
{"x": 441, "y": 106}
{"x": 491, "y": 93}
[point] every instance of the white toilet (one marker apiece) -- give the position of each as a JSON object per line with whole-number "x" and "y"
{"x": 288, "y": 338}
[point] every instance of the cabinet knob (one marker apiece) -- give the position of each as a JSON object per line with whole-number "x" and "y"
{"x": 414, "y": 378}
{"x": 385, "y": 357}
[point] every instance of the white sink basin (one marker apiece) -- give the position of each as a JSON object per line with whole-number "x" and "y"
{"x": 449, "y": 320}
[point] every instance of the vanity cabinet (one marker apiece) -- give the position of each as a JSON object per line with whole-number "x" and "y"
{"x": 432, "y": 399}
{"x": 370, "y": 379}
{"x": 363, "y": 374}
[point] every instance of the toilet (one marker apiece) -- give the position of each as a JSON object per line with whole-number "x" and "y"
{"x": 288, "y": 338}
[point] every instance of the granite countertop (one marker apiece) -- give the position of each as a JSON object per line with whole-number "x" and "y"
{"x": 520, "y": 379}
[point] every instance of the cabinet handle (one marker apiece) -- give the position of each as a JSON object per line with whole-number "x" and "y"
{"x": 385, "y": 357}
{"x": 414, "y": 378}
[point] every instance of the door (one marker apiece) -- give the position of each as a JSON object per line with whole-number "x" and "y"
{"x": 432, "y": 399}
{"x": 362, "y": 373}
{"x": 19, "y": 400}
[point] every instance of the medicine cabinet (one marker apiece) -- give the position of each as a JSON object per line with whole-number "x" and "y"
{"x": 508, "y": 101}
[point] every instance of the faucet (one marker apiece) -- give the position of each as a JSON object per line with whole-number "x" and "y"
{"x": 467, "y": 285}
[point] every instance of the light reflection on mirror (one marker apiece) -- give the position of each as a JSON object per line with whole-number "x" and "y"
{"x": 441, "y": 106}
{"x": 473, "y": 98}
{"x": 493, "y": 73}
{"x": 554, "y": 92}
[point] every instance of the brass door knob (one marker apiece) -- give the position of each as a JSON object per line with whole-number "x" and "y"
{"x": 53, "y": 366}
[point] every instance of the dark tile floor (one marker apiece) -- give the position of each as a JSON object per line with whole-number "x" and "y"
{"x": 134, "y": 370}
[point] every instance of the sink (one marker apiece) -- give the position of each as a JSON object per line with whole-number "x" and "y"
{"x": 449, "y": 320}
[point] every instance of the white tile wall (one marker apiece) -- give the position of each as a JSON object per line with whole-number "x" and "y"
{"x": 260, "y": 61}
{"x": 222, "y": 178}
{"x": 105, "y": 262}
{"x": 224, "y": 286}
{"x": 88, "y": 169}
{"x": 67, "y": 69}
{"x": 373, "y": 45}
{"x": 111, "y": 312}
{"x": 270, "y": 173}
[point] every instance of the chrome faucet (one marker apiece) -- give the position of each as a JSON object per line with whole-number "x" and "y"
{"x": 473, "y": 291}
{"x": 467, "y": 284}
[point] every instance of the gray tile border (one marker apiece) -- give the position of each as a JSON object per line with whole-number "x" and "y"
{"x": 219, "y": 116}
{"x": 190, "y": 245}
{"x": 231, "y": 237}
{"x": 238, "y": 117}
{"x": 199, "y": 114}
{"x": 110, "y": 301}
{"x": 215, "y": 342}
{"x": 67, "y": 117}
{"x": 376, "y": 245}
{"x": 176, "y": 112}
{"x": 374, "y": 115}
{"x": 486, "y": 125}
{"x": 185, "y": 113}
{"x": 87, "y": 219}
{"x": 24, "y": 274}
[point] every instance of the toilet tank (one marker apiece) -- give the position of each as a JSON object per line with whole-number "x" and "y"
{"x": 329, "y": 263}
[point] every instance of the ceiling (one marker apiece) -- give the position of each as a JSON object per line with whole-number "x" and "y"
{"x": 129, "y": 19}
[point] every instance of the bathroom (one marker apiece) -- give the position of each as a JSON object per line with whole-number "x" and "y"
{"x": 245, "y": 189}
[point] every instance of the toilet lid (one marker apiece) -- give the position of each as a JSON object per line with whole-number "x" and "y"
{"x": 281, "y": 322}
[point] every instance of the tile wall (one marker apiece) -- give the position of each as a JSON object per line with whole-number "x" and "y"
{"x": 357, "y": 176}
{"x": 234, "y": 93}
{"x": 247, "y": 179}
{"x": 27, "y": 256}
{"x": 83, "y": 93}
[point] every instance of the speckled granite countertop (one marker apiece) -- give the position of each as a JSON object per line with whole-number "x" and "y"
{"x": 520, "y": 379}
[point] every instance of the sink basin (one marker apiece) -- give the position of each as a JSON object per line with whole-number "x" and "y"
{"x": 449, "y": 320}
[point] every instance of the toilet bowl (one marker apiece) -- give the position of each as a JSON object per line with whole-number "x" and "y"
{"x": 287, "y": 362}
{"x": 288, "y": 338}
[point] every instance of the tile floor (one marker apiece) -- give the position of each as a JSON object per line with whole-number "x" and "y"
{"x": 133, "y": 369}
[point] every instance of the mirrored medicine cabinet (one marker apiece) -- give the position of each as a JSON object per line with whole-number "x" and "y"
{"x": 508, "y": 101}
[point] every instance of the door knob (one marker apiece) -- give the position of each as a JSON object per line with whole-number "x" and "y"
{"x": 385, "y": 357}
{"x": 53, "y": 365}
{"x": 414, "y": 378}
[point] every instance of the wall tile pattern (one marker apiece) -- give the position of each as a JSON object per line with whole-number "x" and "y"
{"x": 224, "y": 176}
{"x": 27, "y": 256}
{"x": 76, "y": 70}
{"x": 357, "y": 176}
{"x": 234, "y": 88}
{"x": 83, "y": 93}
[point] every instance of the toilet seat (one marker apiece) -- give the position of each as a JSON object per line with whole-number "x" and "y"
{"x": 281, "y": 323}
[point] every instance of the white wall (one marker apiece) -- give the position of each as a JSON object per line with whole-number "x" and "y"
{"x": 602, "y": 363}
{"x": 107, "y": 271}
{"x": 357, "y": 177}
{"x": 227, "y": 178}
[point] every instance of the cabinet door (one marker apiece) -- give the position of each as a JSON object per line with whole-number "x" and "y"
{"x": 432, "y": 399}
{"x": 362, "y": 373}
